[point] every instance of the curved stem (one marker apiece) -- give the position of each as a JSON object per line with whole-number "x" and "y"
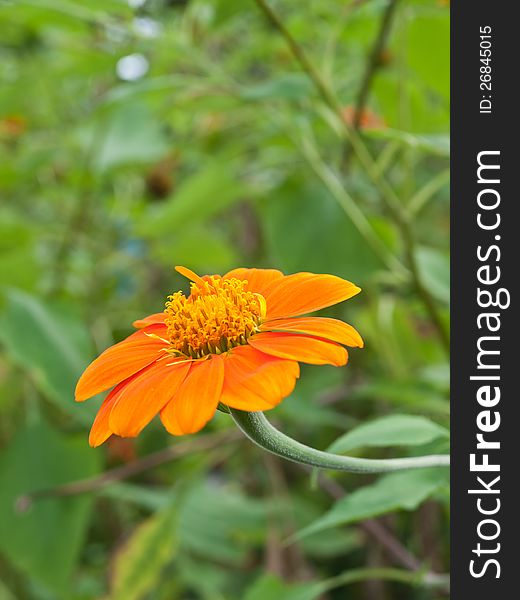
{"x": 258, "y": 429}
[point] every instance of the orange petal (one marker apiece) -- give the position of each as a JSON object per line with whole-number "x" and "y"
{"x": 191, "y": 275}
{"x": 196, "y": 400}
{"x": 149, "y": 320}
{"x": 100, "y": 430}
{"x": 303, "y": 293}
{"x": 302, "y": 348}
{"x": 154, "y": 330}
{"x": 256, "y": 381}
{"x": 143, "y": 398}
{"x": 323, "y": 327}
{"x": 118, "y": 363}
{"x": 258, "y": 279}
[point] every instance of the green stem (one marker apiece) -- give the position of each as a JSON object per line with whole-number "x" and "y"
{"x": 418, "y": 201}
{"x": 374, "y": 60}
{"x": 258, "y": 429}
{"x": 414, "y": 578}
{"x": 388, "y": 195}
{"x": 349, "y": 206}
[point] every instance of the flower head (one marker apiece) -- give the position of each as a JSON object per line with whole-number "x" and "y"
{"x": 235, "y": 339}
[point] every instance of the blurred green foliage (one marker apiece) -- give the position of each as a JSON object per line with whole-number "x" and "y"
{"x": 142, "y": 134}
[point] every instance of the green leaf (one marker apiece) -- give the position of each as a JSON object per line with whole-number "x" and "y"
{"x": 214, "y": 255}
{"x": 200, "y": 196}
{"x": 228, "y": 9}
{"x": 149, "y": 498}
{"x": 269, "y": 587}
{"x": 138, "y": 565}
{"x": 298, "y": 220}
{"x": 330, "y": 543}
{"x": 435, "y": 272}
{"x": 49, "y": 343}
{"x": 132, "y": 135}
{"x": 427, "y": 114}
{"x": 424, "y": 33}
{"x": 390, "y": 324}
{"x": 5, "y": 593}
{"x": 417, "y": 395}
{"x": 19, "y": 266}
{"x": 393, "y": 430}
{"x": 45, "y": 540}
{"x": 437, "y": 144}
{"x": 219, "y": 529}
{"x": 291, "y": 86}
{"x": 397, "y": 491}
{"x": 302, "y": 408}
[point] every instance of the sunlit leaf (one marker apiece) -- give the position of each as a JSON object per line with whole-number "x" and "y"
{"x": 139, "y": 563}
{"x": 397, "y": 491}
{"x": 269, "y": 587}
{"x": 393, "y": 430}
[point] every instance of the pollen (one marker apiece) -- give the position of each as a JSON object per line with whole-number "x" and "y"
{"x": 218, "y": 315}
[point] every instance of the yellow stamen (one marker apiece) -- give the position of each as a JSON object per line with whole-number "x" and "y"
{"x": 218, "y": 315}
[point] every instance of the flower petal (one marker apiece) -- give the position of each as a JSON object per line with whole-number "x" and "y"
{"x": 149, "y": 320}
{"x": 303, "y": 293}
{"x": 258, "y": 279}
{"x": 196, "y": 400}
{"x": 143, "y": 398}
{"x": 302, "y": 348}
{"x": 323, "y": 327}
{"x": 150, "y": 330}
{"x": 118, "y": 363}
{"x": 256, "y": 381}
{"x": 100, "y": 430}
{"x": 191, "y": 275}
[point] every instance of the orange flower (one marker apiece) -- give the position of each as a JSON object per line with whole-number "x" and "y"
{"x": 235, "y": 339}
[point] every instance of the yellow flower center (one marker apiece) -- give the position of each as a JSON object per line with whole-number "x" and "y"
{"x": 218, "y": 315}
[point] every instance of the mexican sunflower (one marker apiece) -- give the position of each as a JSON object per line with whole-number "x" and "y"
{"x": 235, "y": 339}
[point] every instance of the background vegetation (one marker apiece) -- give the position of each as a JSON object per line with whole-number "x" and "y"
{"x": 216, "y": 133}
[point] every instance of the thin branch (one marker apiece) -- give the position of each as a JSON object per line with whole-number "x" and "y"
{"x": 374, "y": 61}
{"x": 79, "y": 213}
{"x": 330, "y": 99}
{"x": 383, "y": 536}
{"x": 349, "y": 206}
{"x": 334, "y": 38}
{"x": 299, "y": 54}
{"x": 373, "y": 527}
{"x": 421, "y": 289}
{"x": 93, "y": 484}
{"x": 388, "y": 196}
{"x": 283, "y": 560}
{"x": 419, "y": 200}
{"x": 415, "y": 579}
